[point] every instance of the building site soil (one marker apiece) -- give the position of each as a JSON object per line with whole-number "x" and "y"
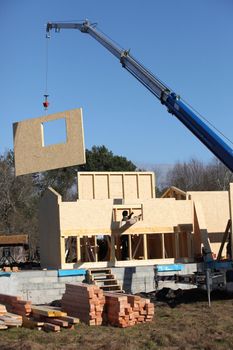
{"x": 183, "y": 320}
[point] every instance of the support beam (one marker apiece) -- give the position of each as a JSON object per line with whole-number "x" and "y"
{"x": 78, "y": 247}
{"x": 162, "y": 245}
{"x": 145, "y": 247}
{"x": 130, "y": 247}
{"x": 95, "y": 249}
{"x": 112, "y": 253}
{"x": 177, "y": 246}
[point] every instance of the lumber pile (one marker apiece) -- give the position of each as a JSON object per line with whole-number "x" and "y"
{"x": 95, "y": 307}
{"x": 80, "y": 301}
{"x": 142, "y": 308}
{"x": 8, "y": 319}
{"x": 125, "y": 310}
{"x": 51, "y": 318}
{"x": 15, "y": 304}
{"x": 84, "y": 301}
{"x": 118, "y": 310}
{"x": 15, "y": 312}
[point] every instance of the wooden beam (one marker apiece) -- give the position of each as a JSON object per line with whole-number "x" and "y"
{"x": 78, "y": 247}
{"x": 137, "y": 246}
{"x": 163, "y": 245}
{"x": 112, "y": 253}
{"x": 13, "y": 239}
{"x": 96, "y": 249}
{"x": 145, "y": 247}
{"x": 130, "y": 247}
{"x": 225, "y": 236}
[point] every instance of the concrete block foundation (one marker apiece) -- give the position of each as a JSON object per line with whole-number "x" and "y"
{"x": 42, "y": 287}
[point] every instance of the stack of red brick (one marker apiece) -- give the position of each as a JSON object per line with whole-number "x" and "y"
{"x": 92, "y": 306}
{"x": 85, "y": 302}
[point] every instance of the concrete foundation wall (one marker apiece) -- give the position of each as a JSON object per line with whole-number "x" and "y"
{"x": 38, "y": 286}
{"x": 42, "y": 287}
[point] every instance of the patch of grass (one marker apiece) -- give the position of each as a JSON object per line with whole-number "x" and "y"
{"x": 184, "y": 327}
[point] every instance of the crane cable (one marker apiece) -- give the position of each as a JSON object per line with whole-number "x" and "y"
{"x": 46, "y": 102}
{"x": 211, "y": 124}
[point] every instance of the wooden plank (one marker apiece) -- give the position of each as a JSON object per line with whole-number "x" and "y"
{"x": 51, "y": 327}
{"x": 70, "y": 319}
{"x": 13, "y": 239}
{"x": 57, "y": 322}
{"x": 47, "y": 311}
{"x": 30, "y": 323}
{"x": 3, "y": 325}
{"x": 225, "y": 236}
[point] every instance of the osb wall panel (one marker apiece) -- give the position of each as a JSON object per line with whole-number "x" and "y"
{"x": 215, "y": 206}
{"x": 32, "y": 156}
{"x": 96, "y": 216}
{"x": 49, "y": 229}
{"x": 114, "y": 185}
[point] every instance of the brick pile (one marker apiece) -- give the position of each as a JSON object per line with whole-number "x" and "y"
{"x": 84, "y": 301}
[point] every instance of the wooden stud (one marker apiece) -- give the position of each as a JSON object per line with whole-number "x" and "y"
{"x": 145, "y": 246}
{"x": 130, "y": 247}
{"x": 163, "y": 245}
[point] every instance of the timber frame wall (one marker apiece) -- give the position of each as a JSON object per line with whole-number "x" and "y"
{"x": 92, "y": 231}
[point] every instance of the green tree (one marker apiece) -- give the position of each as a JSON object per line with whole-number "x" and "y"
{"x": 99, "y": 158}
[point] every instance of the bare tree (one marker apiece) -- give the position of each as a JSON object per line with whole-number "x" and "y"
{"x": 196, "y": 176}
{"x": 18, "y": 201}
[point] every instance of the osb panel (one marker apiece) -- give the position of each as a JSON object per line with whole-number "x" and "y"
{"x": 130, "y": 186}
{"x": 32, "y": 156}
{"x": 49, "y": 230}
{"x": 110, "y": 185}
{"x": 101, "y": 188}
{"x": 215, "y": 206}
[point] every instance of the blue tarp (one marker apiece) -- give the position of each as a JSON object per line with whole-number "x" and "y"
{"x": 171, "y": 267}
{"x": 5, "y": 274}
{"x": 73, "y": 272}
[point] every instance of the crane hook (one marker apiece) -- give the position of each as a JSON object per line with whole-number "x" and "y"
{"x": 46, "y": 102}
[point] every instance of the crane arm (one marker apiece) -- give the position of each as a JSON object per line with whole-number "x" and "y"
{"x": 167, "y": 97}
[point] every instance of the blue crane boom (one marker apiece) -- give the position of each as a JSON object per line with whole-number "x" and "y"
{"x": 167, "y": 97}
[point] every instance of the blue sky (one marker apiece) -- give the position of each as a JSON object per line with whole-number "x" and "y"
{"x": 187, "y": 44}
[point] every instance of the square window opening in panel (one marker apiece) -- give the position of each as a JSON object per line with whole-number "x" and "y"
{"x": 54, "y": 132}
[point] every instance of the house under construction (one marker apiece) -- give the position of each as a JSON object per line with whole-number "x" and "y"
{"x": 118, "y": 221}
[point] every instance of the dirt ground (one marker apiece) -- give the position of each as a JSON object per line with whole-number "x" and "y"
{"x": 182, "y": 321}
